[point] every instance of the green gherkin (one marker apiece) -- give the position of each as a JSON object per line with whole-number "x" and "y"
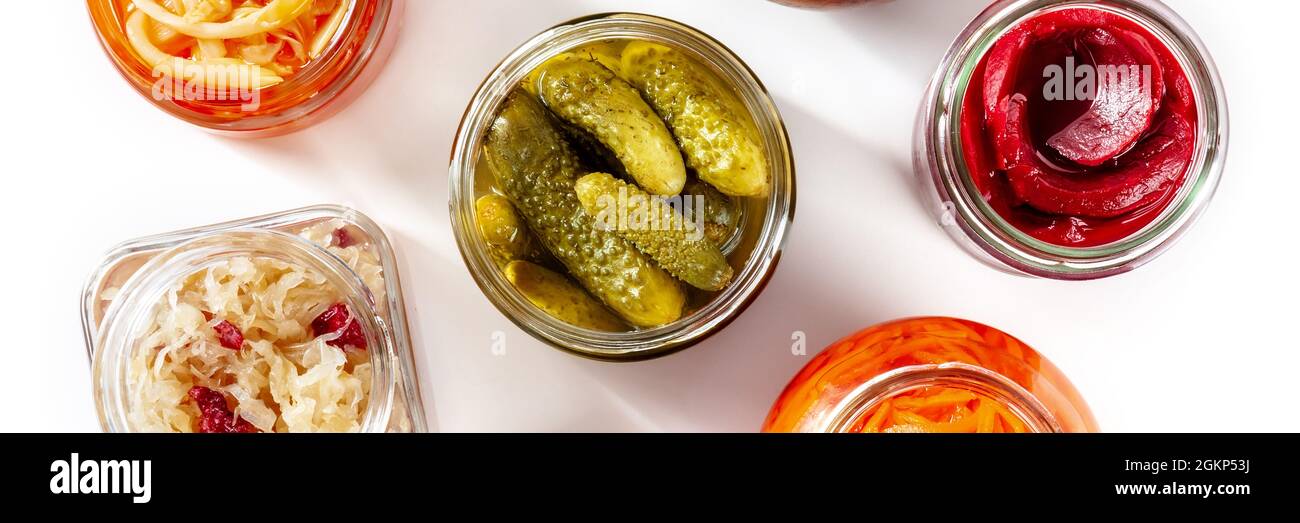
{"x": 711, "y": 125}
{"x": 536, "y": 169}
{"x": 507, "y": 236}
{"x": 592, "y": 98}
{"x": 555, "y": 294}
{"x": 678, "y": 244}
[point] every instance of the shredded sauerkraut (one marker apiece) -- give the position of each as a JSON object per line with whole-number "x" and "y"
{"x": 225, "y": 44}
{"x": 284, "y": 377}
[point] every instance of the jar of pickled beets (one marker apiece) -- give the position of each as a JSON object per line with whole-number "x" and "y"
{"x": 1072, "y": 139}
{"x": 621, "y": 186}
{"x": 930, "y": 375}
{"x": 248, "y": 68}
{"x": 291, "y": 322}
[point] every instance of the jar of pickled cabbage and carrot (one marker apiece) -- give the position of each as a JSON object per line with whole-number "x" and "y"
{"x": 930, "y": 375}
{"x": 247, "y": 68}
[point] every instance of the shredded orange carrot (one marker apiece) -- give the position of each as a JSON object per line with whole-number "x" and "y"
{"x": 823, "y": 383}
{"x": 877, "y": 420}
{"x": 941, "y": 409}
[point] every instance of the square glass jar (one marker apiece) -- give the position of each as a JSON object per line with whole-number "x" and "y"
{"x": 124, "y": 289}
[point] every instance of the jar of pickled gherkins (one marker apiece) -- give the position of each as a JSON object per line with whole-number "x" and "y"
{"x": 930, "y": 375}
{"x": 621, "y": 109}
{"x": 249, "y": 69}
{"x": 290, "y": 322}
{"x": 1072, "y": 139}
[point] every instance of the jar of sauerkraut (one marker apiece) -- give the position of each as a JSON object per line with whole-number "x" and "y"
{"x": 248, "y": 68}
{"x": 930, "y": 375}
{"x": 290, "y": 322}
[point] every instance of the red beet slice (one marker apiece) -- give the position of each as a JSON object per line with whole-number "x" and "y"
{"x": 1003, "y": 67}
{"x": 1129, "y": 86}
{"x": 1139, "y": 177}
{"x": 229, "y": 335}
{"x": 215, "y": 416}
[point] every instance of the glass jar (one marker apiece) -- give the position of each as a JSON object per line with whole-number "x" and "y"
{"x": 121, "y": 296}
{"x": 324, "y": 86}
{"x": 961, "y": 208}
{"x": 763, "y": 225}
{"x": 843, "y": 387}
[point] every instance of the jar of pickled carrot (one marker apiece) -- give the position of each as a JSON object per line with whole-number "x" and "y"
{"x": 247, "y": 68}
{"x": 930, "y": 375}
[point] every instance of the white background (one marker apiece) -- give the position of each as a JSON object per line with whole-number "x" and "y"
{"x": 1203, "y": 339}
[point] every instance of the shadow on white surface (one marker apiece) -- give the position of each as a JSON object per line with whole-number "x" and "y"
{"x": 915, "y": 32}
{"x": 416, "y": 262}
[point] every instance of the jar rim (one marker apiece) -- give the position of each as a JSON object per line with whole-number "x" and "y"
{"x": 940, "y": 146}
{"x": 1020, "y": 402}
{"x": 114, "y": 339}
{"x": 304, "y": 95}
{"x": 637, "y": 344}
